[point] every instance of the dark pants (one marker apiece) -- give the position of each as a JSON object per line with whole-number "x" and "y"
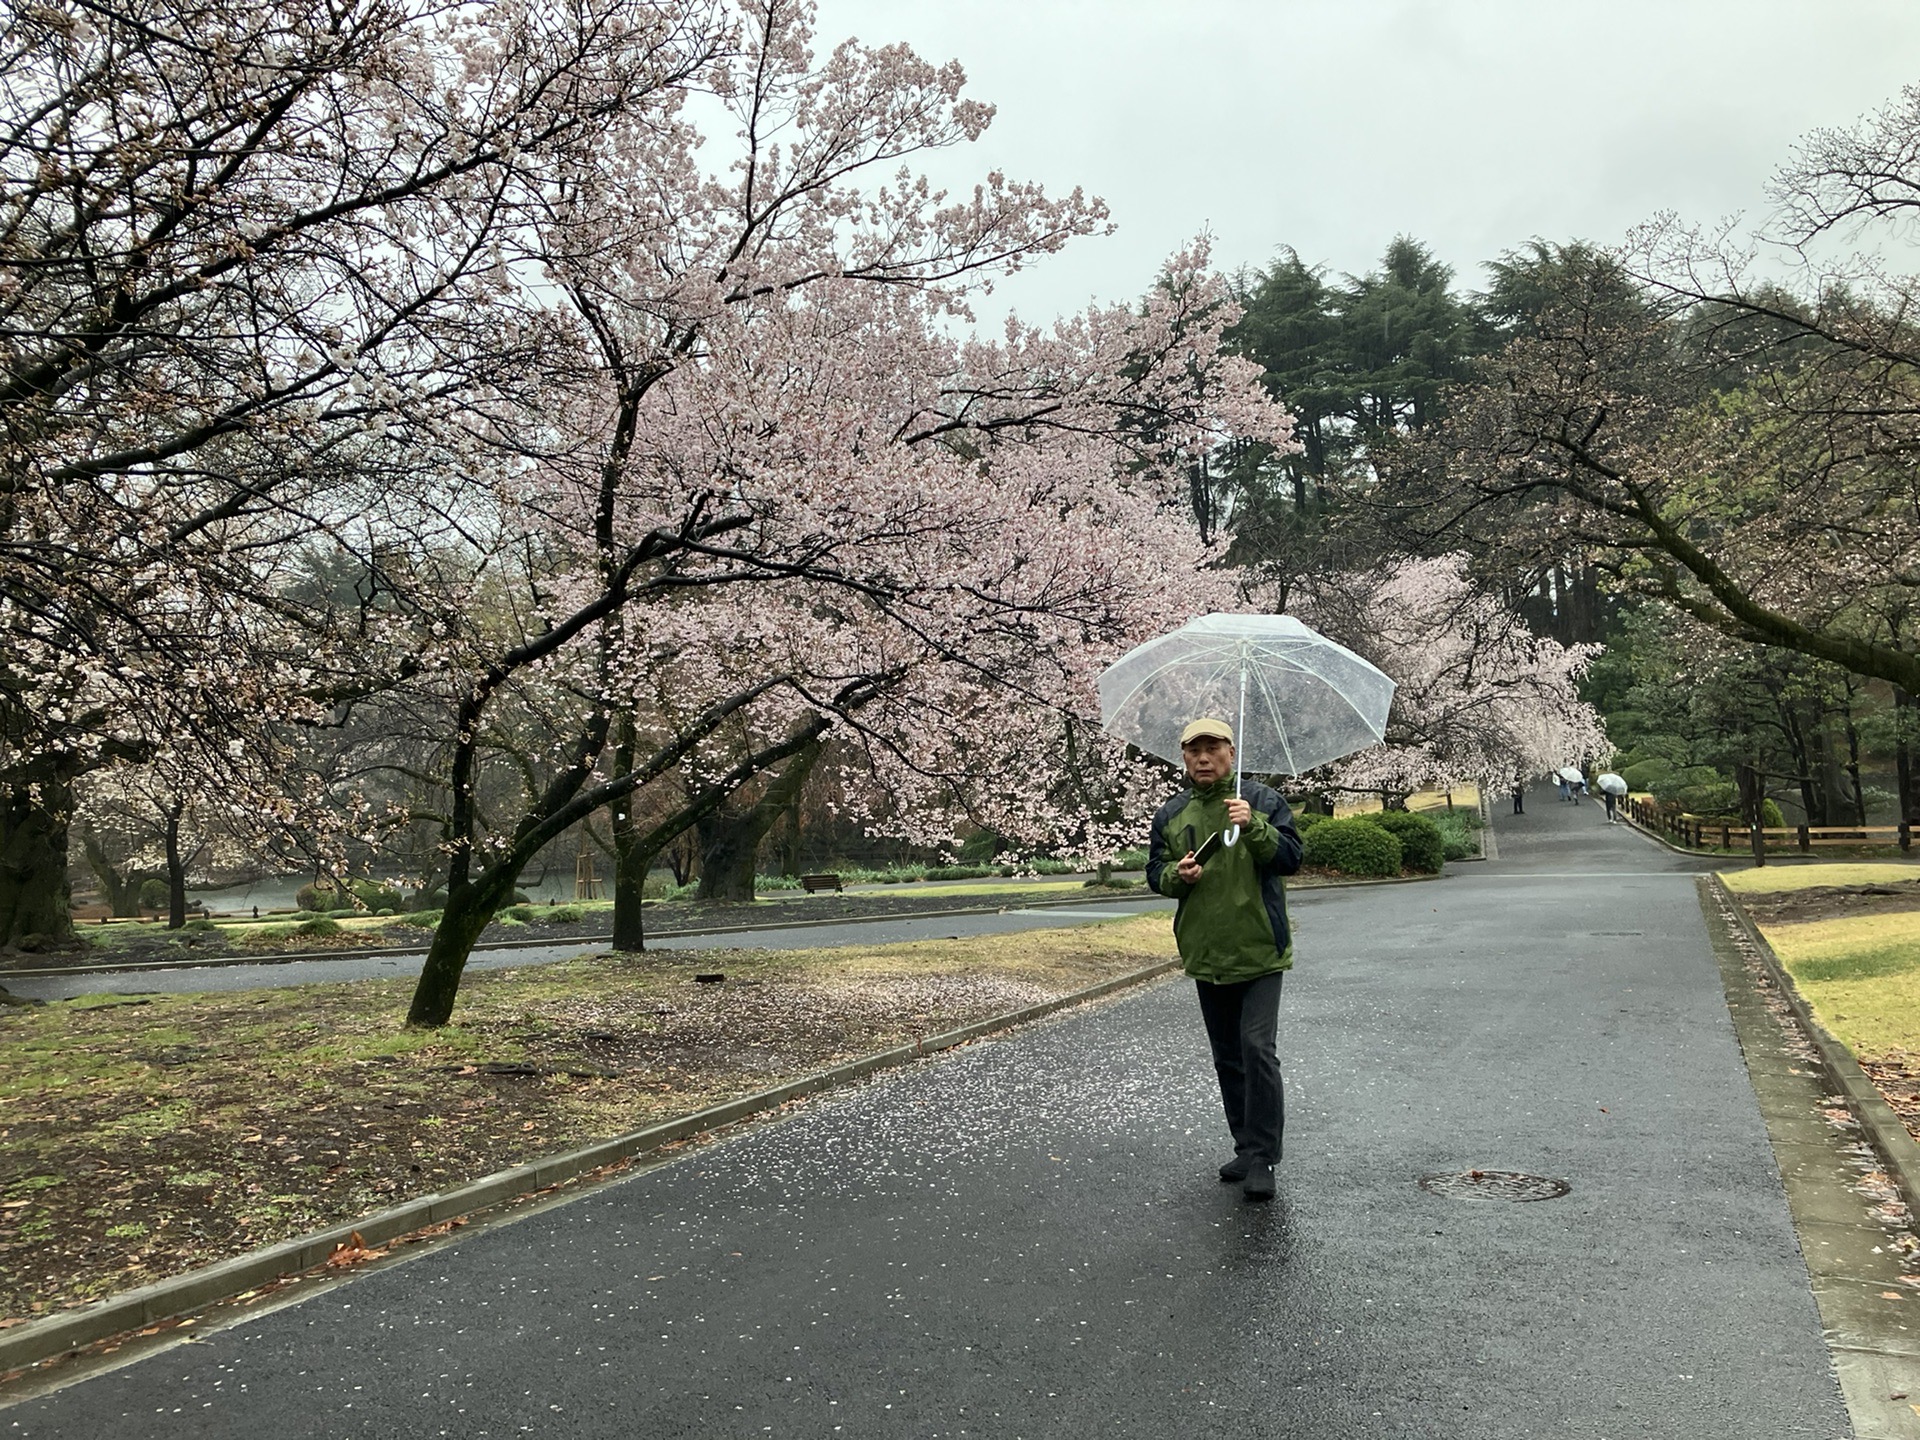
{"x": 1243, "y": 1020}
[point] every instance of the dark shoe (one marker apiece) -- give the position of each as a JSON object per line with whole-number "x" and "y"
{"x": 1259, "y": 1185}
{"x": 1235, "y": 1170}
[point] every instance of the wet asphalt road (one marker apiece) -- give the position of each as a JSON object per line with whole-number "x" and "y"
{"x": 196, "y": 979}
{"x": 1025, "y": 1238}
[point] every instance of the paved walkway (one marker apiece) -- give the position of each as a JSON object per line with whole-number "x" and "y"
{"x": 1025, "y": 1238}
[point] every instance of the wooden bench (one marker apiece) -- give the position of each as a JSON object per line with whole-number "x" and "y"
{"x": 813, "y": 883}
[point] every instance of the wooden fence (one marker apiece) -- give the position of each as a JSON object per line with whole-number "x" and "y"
{"x": 1698, "y": 832}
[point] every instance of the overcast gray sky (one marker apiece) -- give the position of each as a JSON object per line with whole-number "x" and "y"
{"x": 1333, "y": 125}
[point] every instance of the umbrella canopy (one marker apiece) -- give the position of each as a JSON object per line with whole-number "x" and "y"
{"x": 1300, "y": 700}
{"x": 1572, "y": 774}
{"x": 1612, "y": 784}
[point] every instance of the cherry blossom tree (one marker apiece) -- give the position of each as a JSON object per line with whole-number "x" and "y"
{"x": 249, "y": 275}
{"x": 1480, "y": 698}
{"x": 772, "y": 493}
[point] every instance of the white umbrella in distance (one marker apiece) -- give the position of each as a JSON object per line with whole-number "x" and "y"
{"x": 1301, "y": 700}
{"x": 1612, "y": 784}
{"x": 1572, "y": 774}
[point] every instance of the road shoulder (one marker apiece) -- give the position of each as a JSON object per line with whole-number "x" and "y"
{"x": 1855, "y": 1231}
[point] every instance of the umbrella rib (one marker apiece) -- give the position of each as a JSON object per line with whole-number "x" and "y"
{"x": 1279, "y": 722}
{"x": 1157, "y": 672}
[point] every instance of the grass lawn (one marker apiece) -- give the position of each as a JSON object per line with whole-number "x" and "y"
{"x": 1861, "y": 975}
{"x": 142, "y": 1136}
{"x": 1772, "y": 878}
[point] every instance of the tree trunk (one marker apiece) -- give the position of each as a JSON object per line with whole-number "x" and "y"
{"x": 1902, "y": 752}
{"x": 176, "y": 867}
{"x": 468, "y": 911}
{"x": 629, "y": 865}
{"x": 36, "y": 899}
{"x": 729, "y": 851}
{"x": 1853, "y": 771}
{"x": 730, "y": 840}
{"x": 790, "y": 844}
{"x": 123, "y": 893}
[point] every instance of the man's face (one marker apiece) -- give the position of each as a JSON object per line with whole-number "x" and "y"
{"x": 1208, "y": 757}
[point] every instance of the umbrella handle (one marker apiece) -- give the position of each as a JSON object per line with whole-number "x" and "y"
{"x": 1232, "y": 837}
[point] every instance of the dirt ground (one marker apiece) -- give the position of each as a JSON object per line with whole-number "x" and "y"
{"x": 142, "y": 1136}
{"x": 1897, "y": 1076}
{"x": 1830, "y": 902}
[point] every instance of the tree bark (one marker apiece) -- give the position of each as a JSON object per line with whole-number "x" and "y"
{"x": 1902, "y": 752}
{"x": 176, "y": 867}
{"x": 730, "y": 840}
{"x": 468, "y": 911}
{"x": 631, "y": 860}
{"x": 123, "y": 893}
{"x": 1853, "y": 770}
{"x": 36, "y": 898}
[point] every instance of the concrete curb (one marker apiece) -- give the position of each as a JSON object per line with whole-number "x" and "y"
{"x": 388, "y": 952}
{"x": 1885, "y": 1131}
{"x": 40, "y": 1340}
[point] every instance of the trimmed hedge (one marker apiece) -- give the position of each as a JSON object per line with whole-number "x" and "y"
{"x": 1423, "y": 848}
{"x": 1353, "y": 847}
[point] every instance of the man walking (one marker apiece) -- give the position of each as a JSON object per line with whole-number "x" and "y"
{"x": 1231, "y": 927}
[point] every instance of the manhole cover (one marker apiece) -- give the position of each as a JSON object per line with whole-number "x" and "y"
{"x": 1494, "y": 1185}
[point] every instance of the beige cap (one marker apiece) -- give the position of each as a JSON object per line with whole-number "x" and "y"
{"x": 1206, "y": 725}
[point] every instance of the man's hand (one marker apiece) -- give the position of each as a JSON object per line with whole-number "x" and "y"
{"x": 1239, "y": 812}
{"x": 1189, "y": 869}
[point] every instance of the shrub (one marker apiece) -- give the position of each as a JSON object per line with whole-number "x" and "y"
{"x": 521, "y": 914}
{"x": 201, "y": 924}
{"x": 1305, "y": 820}
{"x": 1648, "y": 776}
{"x": 960, "y": 872}
{"x": 153, "y": 895}
{"x": 421, "y": 919}
{"x": 569, "y": 914}
{"x": 429, "y": 899}
{"x": 1423, "y": 848}
{"x": 776, "y": 882}
{"x": 318, "y": 896}
{"x": 1457, "y": 835}
{"x": 1353, "y": 847}
{"x": 1770, "y": 814}
{"x": 375, "y": 895}
{"x": 318, "y": 925}
{"x": 1717, "y": 797}
{"x": 1130, "y": 860}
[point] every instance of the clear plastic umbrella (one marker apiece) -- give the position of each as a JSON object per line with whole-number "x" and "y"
{"x": 1612, "y": 784}
{"x": 1301, "y": 701}
{"x": 1572, "y": 774}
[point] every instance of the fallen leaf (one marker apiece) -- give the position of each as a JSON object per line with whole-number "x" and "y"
{"x": 656, "y": 1277}
{"x": 353, "y": 1251}
{"x": 1891, "y": 1295}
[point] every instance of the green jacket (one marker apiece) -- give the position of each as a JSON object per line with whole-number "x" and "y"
{"x": 1232, "y": 925}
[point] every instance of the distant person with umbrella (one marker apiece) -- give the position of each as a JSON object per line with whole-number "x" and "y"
{"x": 1232, "y": 931}
{"x": 1612, "y": 787}
{"x": 1221, "y": 846}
